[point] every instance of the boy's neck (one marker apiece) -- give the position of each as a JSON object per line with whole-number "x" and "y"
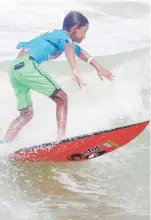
{"x": 69, "y": 33}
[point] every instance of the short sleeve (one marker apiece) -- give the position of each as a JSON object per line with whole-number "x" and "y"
{"x": 58, "y": 38}
{"x": 77, "y": 49}
{"x": 62, "y": 42}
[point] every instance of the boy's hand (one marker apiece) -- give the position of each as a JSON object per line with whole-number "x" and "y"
{"x": 76, "y": 77}
{"x": 105, "y": 73}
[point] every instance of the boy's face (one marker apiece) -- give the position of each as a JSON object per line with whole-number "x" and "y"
{"x": 78, "y": 33}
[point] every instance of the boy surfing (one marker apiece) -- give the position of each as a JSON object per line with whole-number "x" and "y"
{"x": 26, "y": 73}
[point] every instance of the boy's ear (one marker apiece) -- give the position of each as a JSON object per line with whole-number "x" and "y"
{"x": 75, "y": 28}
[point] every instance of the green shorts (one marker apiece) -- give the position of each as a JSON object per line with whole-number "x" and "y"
{"x": 26, "y": 74}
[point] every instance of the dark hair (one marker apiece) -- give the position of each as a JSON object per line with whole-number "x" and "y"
{"x": 74, "y": 18}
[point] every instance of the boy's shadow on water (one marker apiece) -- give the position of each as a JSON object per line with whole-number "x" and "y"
{"x": 42, "y": 177}
{"x": 38, "y": 181}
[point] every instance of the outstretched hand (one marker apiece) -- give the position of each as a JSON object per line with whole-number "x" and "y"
{"x": 76, "y": 77}
{"x": 105, "y": 73}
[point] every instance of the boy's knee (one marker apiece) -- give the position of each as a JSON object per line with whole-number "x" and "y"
{"x": 60, "y": 97}
{"x": 27, "y": 114}
{"x": 65, "y": 97}
{"x": 30, "y": 115}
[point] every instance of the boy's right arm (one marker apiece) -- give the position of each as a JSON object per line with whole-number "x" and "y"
{"x": 70, "y": 55}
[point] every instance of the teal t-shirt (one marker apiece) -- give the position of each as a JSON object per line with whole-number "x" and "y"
{"x": 48, "y": 46}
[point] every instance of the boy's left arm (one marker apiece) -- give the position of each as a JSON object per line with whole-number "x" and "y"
{"x": 102, "y": 72}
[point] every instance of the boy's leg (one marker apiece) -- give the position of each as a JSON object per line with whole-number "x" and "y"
{"x": 15, "y": 127}
{"x": 26, "y": 114}
{"x": 61, "y": 100}
{"x": 42, "y": 82}
{"x": 24, "y": 103}
{"x": 31, "y": 76}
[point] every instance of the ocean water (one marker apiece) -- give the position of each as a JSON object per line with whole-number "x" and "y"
{"x": 115, "y": 186}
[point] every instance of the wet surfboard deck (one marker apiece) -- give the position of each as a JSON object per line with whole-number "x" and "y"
{"x": 81, "y": 148}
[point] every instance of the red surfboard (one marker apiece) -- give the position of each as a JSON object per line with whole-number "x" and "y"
{"x": 81, "y": 148}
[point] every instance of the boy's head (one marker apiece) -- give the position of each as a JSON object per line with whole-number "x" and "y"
{"x": 76, "y": 25}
